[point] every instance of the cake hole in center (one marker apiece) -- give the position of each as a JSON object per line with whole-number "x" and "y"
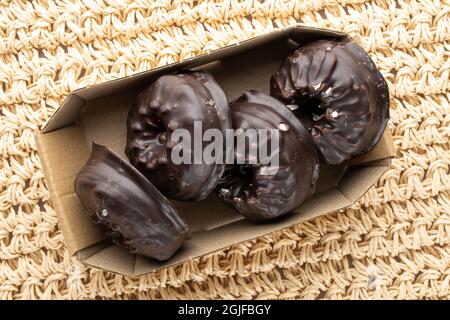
{"x": 309, "y": 109}
{"x": 317, "y": 112}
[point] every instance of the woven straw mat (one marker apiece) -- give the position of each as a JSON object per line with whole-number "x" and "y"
{"x": 394, "y": 243}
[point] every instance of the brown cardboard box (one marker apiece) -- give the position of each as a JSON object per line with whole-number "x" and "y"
{"x": 98, "y": 113}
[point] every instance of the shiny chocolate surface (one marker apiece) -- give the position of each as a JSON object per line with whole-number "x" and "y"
{"x": 258, "y": 191}
{"x": 176, "y": 102}
{"x": 340, "y": 96}
{"x": 134, "y": 213}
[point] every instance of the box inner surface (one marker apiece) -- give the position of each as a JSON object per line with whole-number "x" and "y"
{"x": 214, "y": 225}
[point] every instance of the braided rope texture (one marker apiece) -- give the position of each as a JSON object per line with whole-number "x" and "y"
{"x": 394, "y": 243}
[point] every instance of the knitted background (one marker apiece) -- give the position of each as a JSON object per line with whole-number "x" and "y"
{"x": 395, "y": 243}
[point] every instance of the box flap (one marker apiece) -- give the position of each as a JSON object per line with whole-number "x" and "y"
{"x": 66, "y": 115}
{"x": 76, "y": 226}
{"x": 90, "y": 251}
{"x": 359, "y": 179}
{"x": 113, "y": 258}
{"x": 383, "y": 149}
{"x": 301, "y": 34}
{"x": 117, "y": 260}
{"x": 70, "y": 109}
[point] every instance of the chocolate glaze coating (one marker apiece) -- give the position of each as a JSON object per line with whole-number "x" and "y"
{"x": 172, "y": 102}
{"x": 254, "y": 190}
{"x": 133, "y": 211}
{"x": 343, "y": 99}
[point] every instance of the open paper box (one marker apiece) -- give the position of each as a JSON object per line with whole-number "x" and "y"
{"x": 98, "y": 113}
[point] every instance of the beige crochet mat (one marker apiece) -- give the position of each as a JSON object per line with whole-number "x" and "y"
{"x": 395, "y": 243}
